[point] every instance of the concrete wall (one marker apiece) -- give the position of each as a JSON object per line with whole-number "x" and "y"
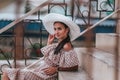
{"x": 99, "y": 65}
{"x": 107, "y": 42}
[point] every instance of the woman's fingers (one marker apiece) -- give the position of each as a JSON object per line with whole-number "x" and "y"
{"x": 52, "y": 36}
{"x": 50, "y": 70}
{"x": 51, "y": 39}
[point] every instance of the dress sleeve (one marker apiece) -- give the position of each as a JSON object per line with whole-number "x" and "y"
{"x": 47, "y": 49}
{"x": 68, "y": 59}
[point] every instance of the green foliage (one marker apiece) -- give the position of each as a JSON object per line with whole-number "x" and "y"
{"x": 7, "y": 54}
{"x": 36, "y": 46}
{"x": 36, "y": 50}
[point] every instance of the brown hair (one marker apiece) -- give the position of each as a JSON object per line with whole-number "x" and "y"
{"x": 63, "y": 42}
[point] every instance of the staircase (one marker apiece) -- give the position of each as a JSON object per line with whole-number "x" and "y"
{"x": 99, "y": 64}
{"x": 94, "y": 63}
{"x": 106, "y": 42}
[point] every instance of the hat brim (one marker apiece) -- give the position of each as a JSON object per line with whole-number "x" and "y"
{"x": 50, "y": 19}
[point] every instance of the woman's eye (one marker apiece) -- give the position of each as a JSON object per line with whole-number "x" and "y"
{"x": 59, "y": 28}
{"x": 54, "y": 28}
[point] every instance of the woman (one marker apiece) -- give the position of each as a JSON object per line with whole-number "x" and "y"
{"x": 57, "y": 56}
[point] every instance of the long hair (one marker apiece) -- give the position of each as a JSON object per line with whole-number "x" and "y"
{"x": 63, "y": 42}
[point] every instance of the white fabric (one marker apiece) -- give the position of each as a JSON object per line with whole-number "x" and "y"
{"x": 69, "y": 58}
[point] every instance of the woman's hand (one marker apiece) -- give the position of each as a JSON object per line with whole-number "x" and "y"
{"x": 50, "y": 39}
{"x": 50, "y": 70}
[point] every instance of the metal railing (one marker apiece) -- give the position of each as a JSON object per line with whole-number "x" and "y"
{"x": 37, "y": 9}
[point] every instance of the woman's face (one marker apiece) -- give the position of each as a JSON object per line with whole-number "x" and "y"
{"x": 60, "y": 31}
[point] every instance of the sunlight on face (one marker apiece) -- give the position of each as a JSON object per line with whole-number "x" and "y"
{"x": 61, "y": 31}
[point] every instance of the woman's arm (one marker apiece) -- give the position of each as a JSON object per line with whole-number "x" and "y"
{"x": 50, "y": 39}
{"x": 53, "y": 70}
{"x": 74, "y": 68}
{"x": 50, "y": 70}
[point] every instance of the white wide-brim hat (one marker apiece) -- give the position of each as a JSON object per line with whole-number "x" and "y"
{"x": 51, "y": 18}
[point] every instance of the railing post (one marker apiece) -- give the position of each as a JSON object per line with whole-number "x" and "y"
{"x": 19, "y": 41}
{"x": 117, "y": 46}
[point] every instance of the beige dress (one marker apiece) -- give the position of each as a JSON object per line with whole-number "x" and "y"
{"x": 63, "y": 59}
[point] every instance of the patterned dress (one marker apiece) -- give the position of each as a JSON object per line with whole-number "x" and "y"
{"x": 63, "y": 59}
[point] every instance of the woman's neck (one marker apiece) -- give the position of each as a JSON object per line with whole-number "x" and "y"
{"x": 59, "y": 40}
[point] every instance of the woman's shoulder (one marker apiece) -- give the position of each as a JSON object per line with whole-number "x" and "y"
{"x": 67, "y": 47}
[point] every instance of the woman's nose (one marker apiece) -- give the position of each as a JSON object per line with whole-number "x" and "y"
{"x": 56, "y": 31}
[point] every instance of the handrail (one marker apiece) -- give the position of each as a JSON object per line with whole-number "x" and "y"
{"x": 23, "y": 17}
{"x": 91, "y": 27}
